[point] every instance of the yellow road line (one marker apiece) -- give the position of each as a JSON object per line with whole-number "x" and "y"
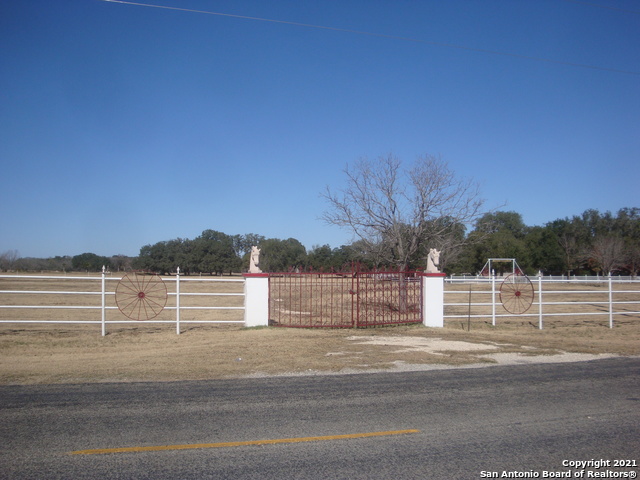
{"x": 240, "y": 444}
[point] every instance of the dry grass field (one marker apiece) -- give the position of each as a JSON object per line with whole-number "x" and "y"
{"x": 142, "y": 351}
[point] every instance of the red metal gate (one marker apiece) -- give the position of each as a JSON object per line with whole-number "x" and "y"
{"x": 355, "y": 299}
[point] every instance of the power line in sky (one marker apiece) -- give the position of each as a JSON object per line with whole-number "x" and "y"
{"x": 382, "y": 35}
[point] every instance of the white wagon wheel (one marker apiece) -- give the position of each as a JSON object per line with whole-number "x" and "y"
{"x": 140, "y": 296}
{"x": 516, "y": 294}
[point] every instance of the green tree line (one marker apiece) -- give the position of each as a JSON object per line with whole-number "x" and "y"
{"x": 590, "y": 243}
{"x": 217, "y": 253}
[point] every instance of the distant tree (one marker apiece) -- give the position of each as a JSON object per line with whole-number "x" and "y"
{"x": 8, "y": 259}
{"x": 282, "y": 255}
{"x": 571, "y": 236}
{"x": 180, "y": 254}
{"x": 499, "y": 235}
{"x": 155, "y": 258}
{"x": 242, "y": 243}
{"x": 215, "y": 253}
{"x": 595, "y": 242}
{"x": 494, "y": 222}
{"x": 628, "y": 226}
{"x": 89, "y": 262}
{"x": 594, "y": 223}
{"x": 320, "y": 258}
{"x": 120, "y": 263}
{"x": 340, "y": 259}
{"x": 544, "y": 251}
{"x": 31, "y": 264}
{"x": 607, "y": 254}
{"x": 394, "y": 210}
{"x": 212, "y": 252}
{"x": 344, "y": 256}
{"x": 60, "y": 263}
{"x": 501, "y": 244}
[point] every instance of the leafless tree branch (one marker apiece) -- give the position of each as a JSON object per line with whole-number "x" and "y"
{"x": 395, "y": 211}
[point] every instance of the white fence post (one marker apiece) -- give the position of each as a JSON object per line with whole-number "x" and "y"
{"x": 493, "y": 298}
{"x": 610, "y": 302}
{"x": 433, "y": 299}
{"x": 540, "y": 303}
{"x": 104, "y": 319}
{"x": 178, "y": 300}
{"x": 256, "y": 299}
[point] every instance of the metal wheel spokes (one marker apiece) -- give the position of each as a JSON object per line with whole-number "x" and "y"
{"x": 516, "y": 294}
{"x": 141, "y": 297}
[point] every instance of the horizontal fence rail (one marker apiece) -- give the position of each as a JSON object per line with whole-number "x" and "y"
{"x": 601, "y": 298}
{"x": 89, "y": 301}
{"x": 562, "y": 278}
{"x": 319, "y": 300}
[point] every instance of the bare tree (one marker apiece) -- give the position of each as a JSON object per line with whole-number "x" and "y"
{"x": 121, "y": 262}
{"x": 398, "y": 212}
{"x": 8, "y": 259}
{"x": 608, "y": 253}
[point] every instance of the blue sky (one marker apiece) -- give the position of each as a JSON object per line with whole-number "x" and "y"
{"x": 125, "y": 125}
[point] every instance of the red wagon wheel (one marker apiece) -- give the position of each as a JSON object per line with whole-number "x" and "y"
{"x": 141, "y": 297}
{"x": 516, "y": 294}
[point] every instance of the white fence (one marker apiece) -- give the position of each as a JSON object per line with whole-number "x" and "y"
{"x": 94, "y": 300}
{"x": 91, "y": 299}
{"x": 606, "y": 298}
{"x": 88, "y": 300}
{"x": 562, "y": 278}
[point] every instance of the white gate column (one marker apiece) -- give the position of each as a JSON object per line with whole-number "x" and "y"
{"x": 256, "y": 299}
{"x": 433, "y": 299}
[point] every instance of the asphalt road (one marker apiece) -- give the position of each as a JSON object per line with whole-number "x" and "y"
{"x": 470, "y": 422}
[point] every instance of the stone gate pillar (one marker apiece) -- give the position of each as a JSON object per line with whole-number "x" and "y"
{"x": 256, "y": 299}
{"x": 433, "y": 299}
